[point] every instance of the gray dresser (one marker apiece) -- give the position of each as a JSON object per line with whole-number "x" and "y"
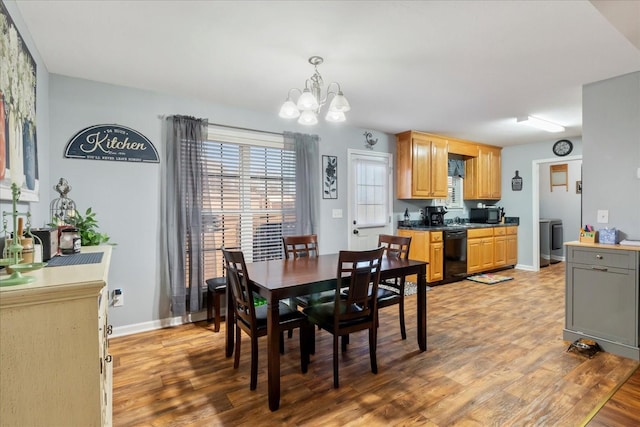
{"x": 603, "y": 296}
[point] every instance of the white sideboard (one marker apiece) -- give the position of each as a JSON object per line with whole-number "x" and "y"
{"x": 55, "y": 368}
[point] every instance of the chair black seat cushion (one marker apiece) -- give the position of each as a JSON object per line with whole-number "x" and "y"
{"x": 322, "y": 315}
{"x": 316, "y": 298}
{"x": 287, "y": 314}
{"x": 217, "y": 284}
{"x": 387, "y": 296}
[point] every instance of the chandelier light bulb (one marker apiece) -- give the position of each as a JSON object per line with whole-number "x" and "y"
{"x": 307, "y": 102}
{"x": 339, "y": 103}
{"x": 335, "y": 116}
{"x": 308, "y": 118}
{"x": 289, "y": 110}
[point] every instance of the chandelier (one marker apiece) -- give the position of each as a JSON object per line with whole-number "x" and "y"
{"x": 310, "y": 100}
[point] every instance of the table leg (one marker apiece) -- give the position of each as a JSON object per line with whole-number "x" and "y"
{"x": 273, "y": 352}
{"x": 230, "y": 324}
{"x": 422, "y": 310}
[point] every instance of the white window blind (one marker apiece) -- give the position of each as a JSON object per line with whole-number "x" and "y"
{"x": 454, "y": 192}
{"x": 249, "y": 196}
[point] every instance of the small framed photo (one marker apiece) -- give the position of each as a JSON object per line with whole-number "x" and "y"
{"x": 578, "y": 187}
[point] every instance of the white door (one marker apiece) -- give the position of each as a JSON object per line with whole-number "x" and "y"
{"x": 370, "y": 209}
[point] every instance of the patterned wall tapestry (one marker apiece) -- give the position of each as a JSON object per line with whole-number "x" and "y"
{"x": 18, "y": 143}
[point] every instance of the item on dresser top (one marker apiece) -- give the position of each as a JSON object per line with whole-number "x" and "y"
{"x": 588, "y": 236}
{"x": 630, "y": 242}
{"x": 608, "y": 236}
{"x": 76, "y": 259}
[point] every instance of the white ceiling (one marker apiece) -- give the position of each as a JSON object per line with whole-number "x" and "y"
{"x": 460, "y": 68}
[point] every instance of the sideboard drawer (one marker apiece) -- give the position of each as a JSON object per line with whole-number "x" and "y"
{"x": 602, "y": 257}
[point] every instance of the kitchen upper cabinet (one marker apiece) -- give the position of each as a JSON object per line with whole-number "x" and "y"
{"x": 421, "y": 168}
{"x": 483, "y": 174}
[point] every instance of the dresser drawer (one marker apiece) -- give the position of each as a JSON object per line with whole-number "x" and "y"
{"x": 603, "y": 257}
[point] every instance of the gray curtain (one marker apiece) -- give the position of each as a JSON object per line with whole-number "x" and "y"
{"x": 182, "y": 206}
{"x": 307, "y": 180}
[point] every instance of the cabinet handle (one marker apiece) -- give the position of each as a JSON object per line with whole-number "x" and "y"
{"x": 109, "y": 329}
{"x": 599, "y": 268}
{"x": 108, "y": 358}
{"x": 599, "y": 256}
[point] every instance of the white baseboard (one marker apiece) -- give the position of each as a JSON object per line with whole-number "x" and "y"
{"x": 121, "y": 331}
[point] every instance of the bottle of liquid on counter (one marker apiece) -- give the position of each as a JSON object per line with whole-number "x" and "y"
{"x": 406, "y": 216}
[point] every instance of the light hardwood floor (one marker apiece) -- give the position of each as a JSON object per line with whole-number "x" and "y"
{"x": 495, "y": 358}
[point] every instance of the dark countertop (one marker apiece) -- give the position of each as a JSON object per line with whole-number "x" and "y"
{"x": 466, "y": 226}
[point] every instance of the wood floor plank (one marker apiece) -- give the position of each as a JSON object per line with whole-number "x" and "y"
{"x": 495, "y": 357}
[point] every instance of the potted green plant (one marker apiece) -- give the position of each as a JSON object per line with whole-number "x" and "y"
{"x": 87, "y": 226}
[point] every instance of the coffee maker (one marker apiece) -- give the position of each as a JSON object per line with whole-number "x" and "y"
{"x": 435, "y": 215}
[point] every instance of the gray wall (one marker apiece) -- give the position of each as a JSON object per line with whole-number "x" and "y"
{"x": 525, "y": 159}
{"x": 126, "y": 196}
{"x": 611, "y": 135}
{"x": 562, "y": 203}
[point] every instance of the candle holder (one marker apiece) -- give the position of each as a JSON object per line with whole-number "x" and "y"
{"x": 14, "y": 252}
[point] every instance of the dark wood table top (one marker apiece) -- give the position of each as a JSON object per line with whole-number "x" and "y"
{"x": 286, "y": 278}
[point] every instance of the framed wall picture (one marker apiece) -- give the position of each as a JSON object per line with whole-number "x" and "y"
{"x": 329, "y": 177}
{"x": 18, "y": 142}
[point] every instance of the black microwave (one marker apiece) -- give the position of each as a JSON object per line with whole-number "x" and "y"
{"x": 488, "y": 215}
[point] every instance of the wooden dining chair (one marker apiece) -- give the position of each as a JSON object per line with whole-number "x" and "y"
{"x": 393, "y": 291}
{"x": 253, "y": 320}
{"x": 359, "y": 273}
{"x": 303, "y": 246}
{"x": 216, "y": 288}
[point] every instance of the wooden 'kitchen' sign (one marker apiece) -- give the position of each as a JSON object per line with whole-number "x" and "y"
{"x": 111, "y": 142}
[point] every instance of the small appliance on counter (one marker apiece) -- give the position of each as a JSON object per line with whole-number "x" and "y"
{"x": 435, "y": 215}
{"x": 486, "y": 215}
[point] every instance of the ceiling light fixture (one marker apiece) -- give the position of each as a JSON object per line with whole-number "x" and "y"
{"x": 540, "y": 124}
{"x": 311, "y": 100}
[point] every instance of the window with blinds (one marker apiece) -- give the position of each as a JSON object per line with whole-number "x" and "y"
{"x": 249, "y": 196}
{"x": 454, "y": 192}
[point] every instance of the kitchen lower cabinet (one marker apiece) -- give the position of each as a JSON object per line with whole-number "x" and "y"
{"x": 480, "y": 248}
{"x": 499, "y": 247}
{"x": 426, "y": 246}
{"x": 603, "y": 296}
{"x": 512, "y": 245}
{"x": 435, "y": 270}
{"x": 55, "y": 366}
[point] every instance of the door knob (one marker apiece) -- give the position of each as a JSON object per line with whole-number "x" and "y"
{"x": 355, "y": 231}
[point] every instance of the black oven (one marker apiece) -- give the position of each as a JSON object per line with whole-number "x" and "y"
{"x": 488, "y": 215}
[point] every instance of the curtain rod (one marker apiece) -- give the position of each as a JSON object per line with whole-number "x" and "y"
{"x": 232, "y": 127}
{"x": 249, "y": 129}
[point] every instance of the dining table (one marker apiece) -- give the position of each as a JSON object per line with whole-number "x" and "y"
{"x": 280, "y": 279}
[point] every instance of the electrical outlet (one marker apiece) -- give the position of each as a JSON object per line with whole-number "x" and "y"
{"x": 603, "y": 216}
{"x": 118, "y": 298}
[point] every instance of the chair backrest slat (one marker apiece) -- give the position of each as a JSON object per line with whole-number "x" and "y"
{"x": 238, "y": 280}
{"x": 300, "y": 246}
{"x": 395, "y": 246}
{"x": 360, "y": 272}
